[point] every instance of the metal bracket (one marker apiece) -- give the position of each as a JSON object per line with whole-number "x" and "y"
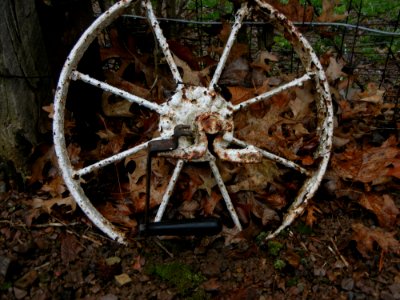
{"x": 209, "y": 226}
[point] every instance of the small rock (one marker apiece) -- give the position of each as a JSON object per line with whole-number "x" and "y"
{"x": 4, "y": 265}
{"x": 27, "y": 280}
{"x": 347, "y": 284}
{"x": 113, "y": 260}
{"x": 19, "y": 294}
{"x": 122, "y": 279}
{"x": 144, "y": 278}
{"x": 319, "y": 271}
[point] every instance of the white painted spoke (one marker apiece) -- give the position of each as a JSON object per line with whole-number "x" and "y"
{"x": 296, "y": 82}
{"x": 76, "y": 75}
{"x": 162, "y": 41}
{"x": 241, "y": 13}
{"x": 112, "y": 159}
{"x": 169, "y": 190}
{"x": 225, "y": 194}
{"x": 273, "y": 157}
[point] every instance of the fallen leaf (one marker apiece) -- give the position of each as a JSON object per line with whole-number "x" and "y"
{"x": 118, "y": 214}
{"x": 328, "y": 11}
{"x": 383, "y": 206}
{"x": 47, "y": 205}
{"x": 310, "y": 217}
{"x": 366, "y": 237}
{"x": 371, "y": 94}
{"x": 334, "y": 70}
{"x": 49, "y": 109}
{"x": 210, "y": 203}
{"x": 368, "y": 164}
{"x": 236, "y": 73}
{"x": 70, "y": 248}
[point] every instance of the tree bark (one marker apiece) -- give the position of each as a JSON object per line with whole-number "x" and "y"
{"x": 25, "y": 83}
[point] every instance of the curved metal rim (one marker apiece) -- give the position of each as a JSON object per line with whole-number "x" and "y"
{"x": 303, "y": 49}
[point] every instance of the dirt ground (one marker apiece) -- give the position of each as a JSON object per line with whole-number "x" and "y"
{"x": 63, "y": 257}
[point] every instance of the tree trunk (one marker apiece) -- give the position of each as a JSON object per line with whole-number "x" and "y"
{"x": 25, "y": 83}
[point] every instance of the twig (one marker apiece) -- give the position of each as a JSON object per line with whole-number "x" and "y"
{"x": 339, "y": 254}
{"x": 85, "y": 237}
{"x": 52, "y": 224}
{"x": 42, "y": 266}
{"x": 163, "y": 248}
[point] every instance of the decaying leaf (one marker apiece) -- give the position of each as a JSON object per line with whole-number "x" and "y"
{"x": 118, "y": 213}
{"x": 366, "y": 237}
{"x": 70, "y": 248}
{"x": 255, "y": 177}
{"x": 369, "y": 164}
{"x": 371, "y": 94}
{"x": 328, "y": 14}
{"x": 47, "y": 205}
{"x": 310, "y": 217}
{"x": 41, "y": 206}
{"x": 49, "y": 109}
{"x": 334, "y": 70}
{"x": 137, "y": 180}
{"x": 210, "y": 203}
{"x": 383, "y": 207}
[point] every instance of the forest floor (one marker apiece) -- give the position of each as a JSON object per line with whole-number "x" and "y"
{"x": 64, "y": 257}
{"x": 345, "y": 246}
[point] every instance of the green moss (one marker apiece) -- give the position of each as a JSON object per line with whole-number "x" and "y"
{"x": 304, "y": 229}
{"x": 292, "y": 281}
{"x": 5, "y": 286}
{"x": 179, "y": 275}
{"x": 279, "y": 264}
{"x": 274, "y": 247}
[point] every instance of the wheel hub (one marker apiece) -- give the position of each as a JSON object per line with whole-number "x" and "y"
{"x": 205, "y": 111}
{"x": 190, "y": 106}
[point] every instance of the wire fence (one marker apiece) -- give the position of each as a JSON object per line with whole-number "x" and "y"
{"x": 368, "y": 44}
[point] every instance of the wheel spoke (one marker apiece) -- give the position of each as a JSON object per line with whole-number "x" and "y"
{"x": 169, "y": 190}
{"x": 162, "y": 41}
{"x": 241, "y": 13}
{"x": 76, "y": 75}
{"x": 225, "y": 194}
{"x": 112, "y": 159}
{"x": 296, "y": 82}
{"x": 274, "y": 157}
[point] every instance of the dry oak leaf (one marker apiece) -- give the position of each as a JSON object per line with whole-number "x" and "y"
{"x": 40, "y": 206}
{"x": 210, "y": 203}
{"x": 49, "y": 109}
{"x": 137, "y": 180}
{"x": 371, "y": 94}
{"x": 383, "y": 207}
{"x": 367, "y": 165}
{"x": 328, "y": 14}
{"x": 310, "y": 217}
{"x": 118, "y": 213}
{"x": 366, "y": 237}
{"x": 334, "y": 70}
{"x": 47, "y": 205}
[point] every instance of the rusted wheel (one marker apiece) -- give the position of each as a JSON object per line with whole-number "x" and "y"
{"x": 211, "y": 117}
